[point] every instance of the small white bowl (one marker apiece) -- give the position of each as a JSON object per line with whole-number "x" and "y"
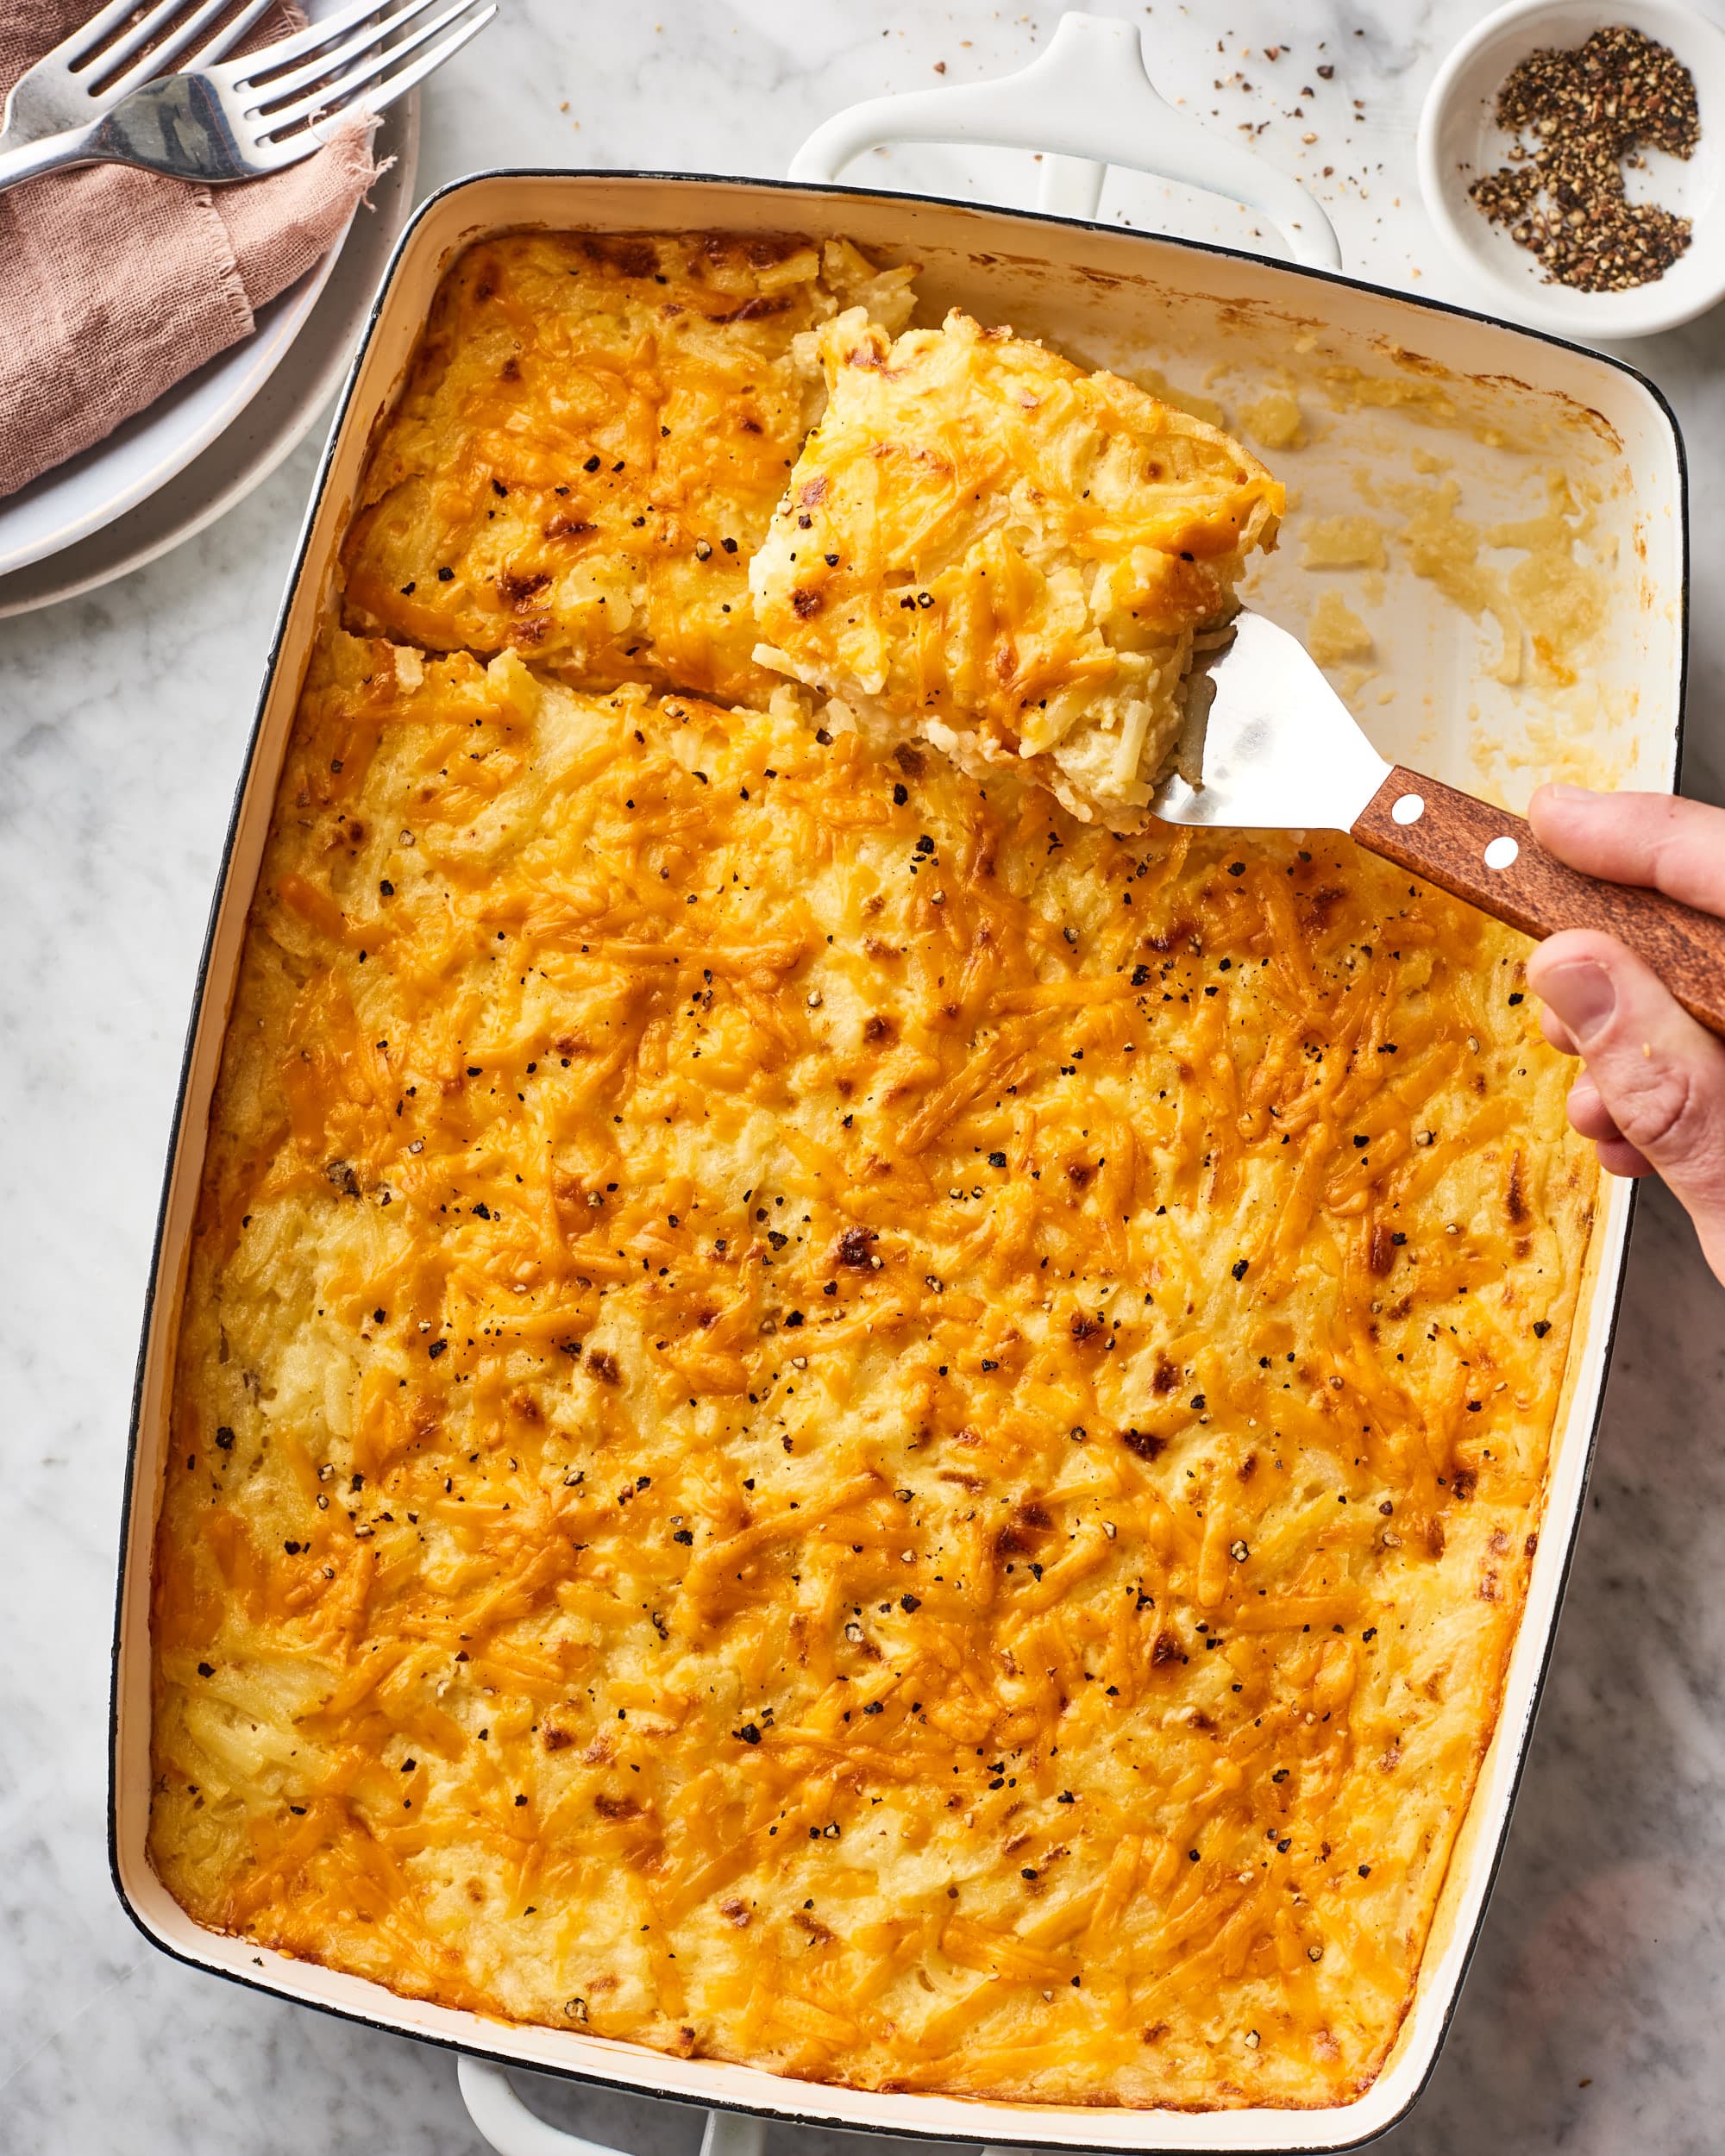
{"x": 1460, "y": 139}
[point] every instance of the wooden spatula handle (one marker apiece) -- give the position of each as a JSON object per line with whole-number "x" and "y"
{"x": 1491, "y": 858}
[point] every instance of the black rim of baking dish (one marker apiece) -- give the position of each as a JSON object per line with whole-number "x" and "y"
{"x": 788, "y": 2114}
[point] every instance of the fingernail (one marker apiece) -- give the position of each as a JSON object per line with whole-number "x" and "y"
{"x": 1583, "y": 995}
{"x": 1574, "y": 795}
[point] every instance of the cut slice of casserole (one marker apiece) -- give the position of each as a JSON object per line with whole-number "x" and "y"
{"x": 985, "y": 544}
{"x": 589, "y": 447}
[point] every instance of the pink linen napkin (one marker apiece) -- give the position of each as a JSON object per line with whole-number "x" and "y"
{"x": 115, "y": 284}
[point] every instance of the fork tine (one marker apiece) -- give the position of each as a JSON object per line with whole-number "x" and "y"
{"x": 227, "y": 37}
{"x": 338, "y": 90}
{"x": 268, "y": 150}
{"x": 240, "y": 74}
{"x": 91, "y": 32}
{"x": 161, "y": 57}
{"x": 282, "y": 87}
{"x": 261, "y": 156}
{"x": 393, "y": 86}
{"x": 149, "y": 25}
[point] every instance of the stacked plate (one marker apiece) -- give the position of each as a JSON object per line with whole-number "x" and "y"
{"x": 178, "y": 465}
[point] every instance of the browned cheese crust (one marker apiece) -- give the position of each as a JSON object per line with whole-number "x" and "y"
{"x": 592, "y": 436}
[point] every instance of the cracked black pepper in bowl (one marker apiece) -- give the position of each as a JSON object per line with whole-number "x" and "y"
{"x": 1581, "y": 116}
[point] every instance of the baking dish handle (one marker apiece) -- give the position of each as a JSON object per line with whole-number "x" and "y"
{"x": 1085, "y": 103}
{"x": 512, "y": 2129}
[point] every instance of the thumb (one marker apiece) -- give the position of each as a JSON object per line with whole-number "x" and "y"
{"x": 1659, "y": 1076}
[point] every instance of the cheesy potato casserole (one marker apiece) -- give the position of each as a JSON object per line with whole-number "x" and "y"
{"x": 823, "y": 1415}
{"x": 987, "y": 546}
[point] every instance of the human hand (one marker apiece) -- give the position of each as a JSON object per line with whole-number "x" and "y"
{"x": 1652, "y": 1095}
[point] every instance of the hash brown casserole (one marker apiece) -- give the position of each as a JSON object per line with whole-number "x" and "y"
{"x": 825, "y": 1417}
{"x": 987, "y": 546}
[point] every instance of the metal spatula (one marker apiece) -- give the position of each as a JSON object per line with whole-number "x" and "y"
{"x": 1281, "y": 751}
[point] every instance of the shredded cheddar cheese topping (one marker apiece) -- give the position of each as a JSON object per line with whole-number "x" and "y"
{"x": 589, "y": 447}
{"x": 826, "y": 1417}
{"x": 985, "y": 545}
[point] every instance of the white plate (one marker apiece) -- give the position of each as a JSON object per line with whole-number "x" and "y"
{"x": 172, "y": 468}
{"x": 275, "y": 419}
{"x": 89, "y": 491}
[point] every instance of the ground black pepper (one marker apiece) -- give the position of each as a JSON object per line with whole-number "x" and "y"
{"x": 1582, "y": 115}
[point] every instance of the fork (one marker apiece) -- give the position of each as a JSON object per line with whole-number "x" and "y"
{"x": 59, "y": 92}
{"x": 253, "y": 116}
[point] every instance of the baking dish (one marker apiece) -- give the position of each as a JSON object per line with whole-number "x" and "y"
{"x": 1492, "y": 406}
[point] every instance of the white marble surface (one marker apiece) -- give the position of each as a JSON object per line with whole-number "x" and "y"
{"x": 1590, "y": 2022}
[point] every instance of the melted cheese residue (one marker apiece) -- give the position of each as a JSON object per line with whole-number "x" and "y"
{"x": 1274, "y": 420}
{"x": 1342, "y": 543}
{"x": 985, "y": 546}
{"x": 823, "y": 1417}
{"x": 1546, "y": 606}
{"x": 1336, "y": 633}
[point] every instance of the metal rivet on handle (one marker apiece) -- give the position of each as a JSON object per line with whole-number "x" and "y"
{"x": 1502, "y": 852}
{"x": 1408, "y": 809}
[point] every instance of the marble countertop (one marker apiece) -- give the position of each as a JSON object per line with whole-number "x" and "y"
{"x": 1589, "y": 2023}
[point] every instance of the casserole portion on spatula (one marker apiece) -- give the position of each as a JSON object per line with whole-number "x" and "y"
{"x": 984, "y": 546}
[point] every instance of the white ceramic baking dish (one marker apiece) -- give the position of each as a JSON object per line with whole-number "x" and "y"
{"x": 1389, "y": 386}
